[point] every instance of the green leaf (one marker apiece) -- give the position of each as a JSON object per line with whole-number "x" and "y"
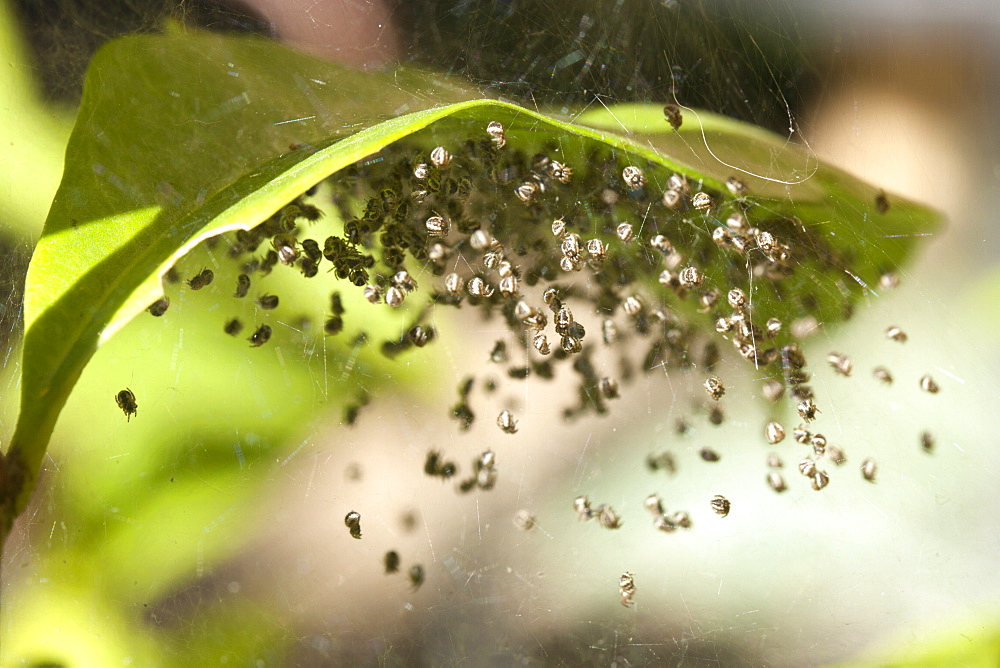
{"x": 786, "y": 173}
{"x": 182, "y": 138}
{"x": 175, "y": 143}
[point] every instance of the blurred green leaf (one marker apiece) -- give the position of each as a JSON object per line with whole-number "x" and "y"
{"x": 973, "y": 644}
{"x": 985, "y": 291}
{"x": 32, "y": 138}
{"x": 63, "y": 623}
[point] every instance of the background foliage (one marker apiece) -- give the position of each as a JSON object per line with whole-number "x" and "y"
{"x": 185, "y": 471}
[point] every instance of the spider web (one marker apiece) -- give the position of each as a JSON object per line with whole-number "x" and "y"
{"x": 801, "y": 577}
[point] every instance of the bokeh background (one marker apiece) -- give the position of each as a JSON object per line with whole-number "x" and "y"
{"x": 209, "y": 529}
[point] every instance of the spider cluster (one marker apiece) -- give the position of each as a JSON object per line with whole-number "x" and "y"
{"x": 581, "y": 252}
{"x": 668, "y": 523}
{"x": 484, "y": 473}
{"x": 605, "y": 514}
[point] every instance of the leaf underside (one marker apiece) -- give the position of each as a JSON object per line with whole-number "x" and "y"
{"x": 183, "y": 138}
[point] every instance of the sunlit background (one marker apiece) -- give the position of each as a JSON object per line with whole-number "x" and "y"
{"x": 209, "y": 529}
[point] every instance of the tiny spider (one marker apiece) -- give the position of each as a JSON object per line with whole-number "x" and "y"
{"x": 626, "y": 588}
{"x": 524, "y": 520}
{"x": 633, "y": 177}
{"x": 506, "y": 422}
{"x": 720, "y": 505}
{"x": 267, "y": 302}
{"x": 774, "y": 432}
{"x": 841, "y": 363}
{"x": 882, "y": 202}
{"x": 715, "y": 388}
{"x": 807, "y": 410}
{"x": 353, "y": 522}
{"x": 242, "y": 286}
{"x": 416, "y": 576}
{"x": 776, "y": 481}
{"x": 159, "y": 307}
{"x": 126, "y": 401}
{"x": 673, "y": 115}
{"x": 869, "y": 469}
{"x": 203, "y": 278}
{"x": 391, "y": 561}
{"x": 260, "y": 336}
{"x": 702, "y": 201}
{"x": 233, "y": 327}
